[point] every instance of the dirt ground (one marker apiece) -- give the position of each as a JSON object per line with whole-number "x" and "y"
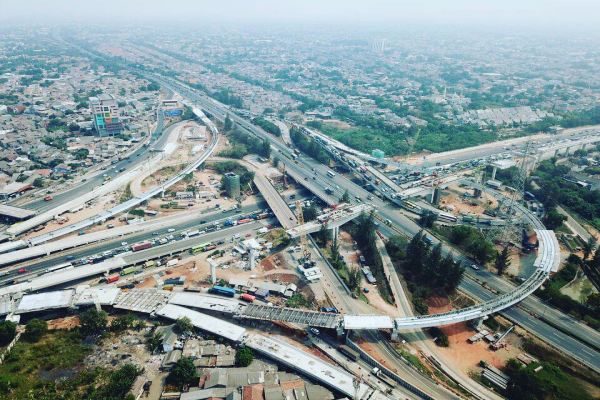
{"x": 454, "y": 201}
{"x": 465, "y": 355}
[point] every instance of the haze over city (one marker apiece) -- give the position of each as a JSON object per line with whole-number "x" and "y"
{"x": 317, "y": 200}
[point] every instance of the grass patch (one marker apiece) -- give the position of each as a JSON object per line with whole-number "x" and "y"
{"x": 413, "y": 360}
{"x": 58, "y": 354}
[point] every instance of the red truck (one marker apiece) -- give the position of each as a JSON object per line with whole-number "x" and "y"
{"x": 141, "y": 246}
{"x": 244, "y": 221}
{"x": 112, "y": 278}
{"x": 247, "y": 297}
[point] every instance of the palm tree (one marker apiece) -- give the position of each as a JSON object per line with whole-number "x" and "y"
{"x": 588, "y": 247}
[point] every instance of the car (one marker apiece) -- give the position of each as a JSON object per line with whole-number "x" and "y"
{"x": 171, "y": 230}
{"x": 123, "y": 243}
{"x": 314, "y": 331}
{"x": 475, "y": 267}
{"x": 22, "y": 270}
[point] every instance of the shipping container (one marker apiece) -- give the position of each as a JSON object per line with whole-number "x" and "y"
{"x": 247, "y": 297}
{"x": 129, "y": 270}
{"x": 112, "y": 278}
{"x": 149, "y": 264}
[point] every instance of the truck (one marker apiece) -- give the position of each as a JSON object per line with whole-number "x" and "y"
{"x": 348, "y": 352}
{"x": 330, "y": 174}
{"x": 172, "y": 262}
{"x": 129, "y": 271}
{"x": 328, "y": 190}
{"x": 244, "y": 221}
{"x": 48, "y": 198}
{"x": 112, "y": 278}
{"x": 247, "y": 297}
{"x": 141, "y": 246}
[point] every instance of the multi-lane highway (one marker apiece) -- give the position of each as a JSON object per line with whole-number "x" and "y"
{"x": 305, "y": 169}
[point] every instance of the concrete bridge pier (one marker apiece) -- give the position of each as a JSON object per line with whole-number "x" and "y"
{"x": 341, "y": 333}
{"x": 494, "y": 172}
{"x": 335, "y": 231}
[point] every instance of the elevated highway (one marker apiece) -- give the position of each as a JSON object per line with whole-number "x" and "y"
{"x": 110, "y": 186}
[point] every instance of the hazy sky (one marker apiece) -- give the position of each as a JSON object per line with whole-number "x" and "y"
{"x": 547, "y": 14}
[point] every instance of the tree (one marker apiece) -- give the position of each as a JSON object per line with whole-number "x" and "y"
{"x": 138, "y": 212}
{"x": 81, "y": 154}
{"x": 228, "y": 124}
{"x": 593, "y": 302}
{"x": 155, "y": 340}
{"x": 323, "y": 235}
{"x": 184, "y": 325}
{"x": 427, "y": 219}
{"x": 35, "y": 329}
{"x": 93, "y": 322}
{"x": 38, "y": 182}
{"x": 589, "y": 247}
{"x": 502, "y": 261}
{"x": 345, "y": 197}
{"x": 310, "y": 212}
{"x": 244, "y": 357}
{"x": 554, "y": 219}
{"x": 276, "y": 161}
{"x": 122, "y": 323}
{"x": 183, "y": 373}
{"x": 265, "y": 149}
{"x": 354, "y": 278}
{"x": 8, "y": 330}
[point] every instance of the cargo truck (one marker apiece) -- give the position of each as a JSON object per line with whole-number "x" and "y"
{"x": 112, "y": 278}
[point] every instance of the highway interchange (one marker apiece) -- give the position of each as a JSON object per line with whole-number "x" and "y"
{"x": 304, "y": 170}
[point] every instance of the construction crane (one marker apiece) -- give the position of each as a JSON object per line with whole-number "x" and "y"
{"x": 303, "y": 241}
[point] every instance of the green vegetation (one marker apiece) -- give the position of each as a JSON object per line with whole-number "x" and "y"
{"x": 38, "y": 182}
{"x": 226, "y": 97}
{"x": 440, "y": 338}
{"x": 59, "y": 143}
{"x": 427, "y": 219}
{"x": 123, "y": 322}
{"x": 244, "y": 144}
{"x": 553, "y": 219}
{"x": 93, "y": 322}
{"x": 363, "y": 231}
{"x": 309, "y": 146}
{"x": 551, "y": 293}
{"x": 184, "y": 325}
{"x": 183, "y": 373}
{"x": 35, "y": 329}
{"x": 267, "y": 126}
{"x": 227, "y": 124}
{"x": 81, "y": 154}
{"x": 547, "y": 384}
{"x": 222, "y": 167}
{"x": 310, "y": 212}
{"x": 50, "y": 368}
{"x": 244, "y": 357}
{"x": 8, "y": 330}
{"x": 298, "y": 301}
{"x": 502, "y": 261}
{"x": 554, "y": 190}
{"x": 471, "y": 241}
{"x": 424, "y": 268}
{"x": 351, "y": 277}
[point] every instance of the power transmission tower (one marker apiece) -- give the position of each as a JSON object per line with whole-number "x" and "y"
{"x": 303, "y": 241}
{"x": 515, "y": 225}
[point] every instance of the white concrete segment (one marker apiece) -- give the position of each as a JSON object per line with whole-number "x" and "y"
{"x": 314, "y": 367}
{"x": 45, "y": 301}
{"x": 205, "y": 301}
{"x": 204, "y": 322}
{"x": 368, "y": 322}
{"x": 64, "y": 276}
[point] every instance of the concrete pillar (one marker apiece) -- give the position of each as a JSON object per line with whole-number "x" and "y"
{"x": 476, "y": 323}
{"x": 567, "y": 151}
{"x": 494, "y": 173}
{"x": 340, "y": 330}
{"x": 556, "y": 153}
{"x": 335, "y": 232}
{"x": 395, "y": 336}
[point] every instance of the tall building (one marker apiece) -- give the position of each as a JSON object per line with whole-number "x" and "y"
{"x": 106, "y": 115}
{"x": 232, "y": 185}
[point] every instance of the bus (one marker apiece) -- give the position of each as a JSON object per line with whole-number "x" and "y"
{"x": 59, "y": 266}
{"x": 200, "y": 248}
{"x": 223, "y": 291}
{"x": 330, "y": 174}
